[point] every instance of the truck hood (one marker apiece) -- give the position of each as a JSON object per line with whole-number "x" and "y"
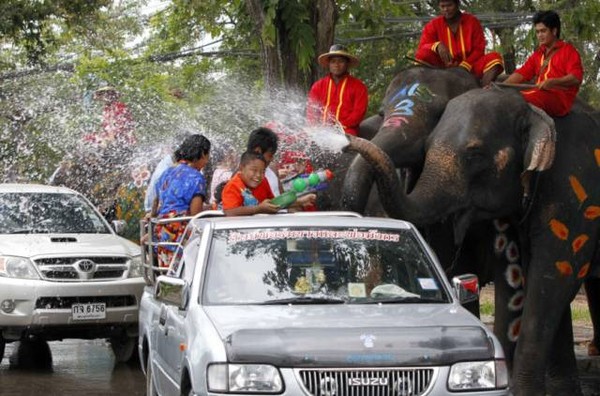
{"x": 351, "y": 335}
{"x": 36, "y": 245}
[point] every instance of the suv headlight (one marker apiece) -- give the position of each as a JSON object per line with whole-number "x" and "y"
{"x": 17, "y": 267}
{"x": 478, "y": 375}
{"x": 242, "y": 378}
{"x": 135, "y": 267}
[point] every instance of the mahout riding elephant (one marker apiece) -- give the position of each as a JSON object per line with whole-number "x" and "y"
{"x": 414, "y": 102}
{"x": 487, "y": 149}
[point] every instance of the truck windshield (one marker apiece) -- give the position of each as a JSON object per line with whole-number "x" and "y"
{"x": 45, "y": 213}
{"x": 319, "y": 266}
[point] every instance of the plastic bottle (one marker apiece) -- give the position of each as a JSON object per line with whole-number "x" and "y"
{"x": 286, "y": 199}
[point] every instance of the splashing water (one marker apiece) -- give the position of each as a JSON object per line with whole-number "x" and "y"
{"x": 44, "y": 118}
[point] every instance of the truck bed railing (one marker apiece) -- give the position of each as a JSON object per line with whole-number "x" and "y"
{"x": 149, "y": 244}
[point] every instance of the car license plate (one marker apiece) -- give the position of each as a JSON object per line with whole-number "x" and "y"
{"x": 88, "y": 311}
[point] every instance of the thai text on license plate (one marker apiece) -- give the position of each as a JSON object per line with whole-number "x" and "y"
{"x": 88, "y": 311}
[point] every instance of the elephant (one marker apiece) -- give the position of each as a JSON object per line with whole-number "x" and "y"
{"x": 414, "y": 102}
{"x": 486, "y": 151}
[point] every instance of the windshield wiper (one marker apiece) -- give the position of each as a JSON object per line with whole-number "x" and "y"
{"x": 305, "y": 300}
{"x": 400, "y": 299}
{"x": 30, "y": 231}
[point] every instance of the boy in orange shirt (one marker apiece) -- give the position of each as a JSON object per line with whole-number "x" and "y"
{"x": 248, "y": 192}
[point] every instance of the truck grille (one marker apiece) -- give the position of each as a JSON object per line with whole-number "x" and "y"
{"x": 367, "y": 382}
{"x": 79, "y": 269}
{"x": 67, "y": 302}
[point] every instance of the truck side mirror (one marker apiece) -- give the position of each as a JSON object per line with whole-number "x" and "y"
{"x": 466, "y": 288}
{"x": 119, "y": 226}
{"x": 173, "y": 291}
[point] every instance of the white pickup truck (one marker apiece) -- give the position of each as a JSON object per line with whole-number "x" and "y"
{"x": 324, "y": 304}
{"x": 64, "y": 272}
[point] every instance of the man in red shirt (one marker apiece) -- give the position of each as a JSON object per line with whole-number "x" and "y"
{"x": 555, "y": 67}
{"x": 456, "y": 38}
{"x": 338, "y": 98}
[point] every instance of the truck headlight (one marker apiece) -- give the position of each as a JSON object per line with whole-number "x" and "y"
{"x": 241, "y": 378}
{"x": 478, "y": 375}
{"x": 135, "y": 267}
{"x": 17, "y": 267}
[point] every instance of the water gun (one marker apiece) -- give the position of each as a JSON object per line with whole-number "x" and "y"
{"x": 301, "y": 185}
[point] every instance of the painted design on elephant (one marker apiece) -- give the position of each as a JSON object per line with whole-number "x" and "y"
{"x": 564, "y": 268}
{"x": 583, "y": 271}
{"x": 578, "y": 189}
{"x": 559, "y": 229}
{"x": 514, "y": 328}
{"x": 592, "y": 212}
{"x": 516, "y": 301}
{"x": 404, "y": 107}
{"x": 513, "y": 275}
{"x": 579, "y": 242}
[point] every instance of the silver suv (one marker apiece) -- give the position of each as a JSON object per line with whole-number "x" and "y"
{"x": 324, "y": 304}
{"x": 64, "y": 273}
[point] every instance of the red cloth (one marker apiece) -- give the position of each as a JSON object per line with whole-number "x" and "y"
{"x": 467, "y": 46}
{"x": 117, "y": 126}
{"x": 563, "y": 61}
{"x": 232, "y": 192}
{"x": 345, "y": 102}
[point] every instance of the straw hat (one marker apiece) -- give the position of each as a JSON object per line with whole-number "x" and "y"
{"x": 338, "y": 50}
{"x": 106, "y": 89}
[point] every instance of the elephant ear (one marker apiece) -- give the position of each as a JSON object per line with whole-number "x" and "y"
{"x": 539, "y": 153}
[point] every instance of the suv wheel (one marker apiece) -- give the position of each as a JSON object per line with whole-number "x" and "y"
{"x": 124, "y": 349}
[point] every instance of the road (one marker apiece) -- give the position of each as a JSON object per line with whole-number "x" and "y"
{"x": 79, "y": 367}
{"x": 88, "y": 368}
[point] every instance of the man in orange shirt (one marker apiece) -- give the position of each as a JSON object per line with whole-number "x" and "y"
{"x": 456, "y": 38}
{"x": 338, "y": 97}
{"x": 555, "y": 66}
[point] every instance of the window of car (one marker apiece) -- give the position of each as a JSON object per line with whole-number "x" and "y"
{"x": 27, "y": 213}
{"x": 357, "y": 265}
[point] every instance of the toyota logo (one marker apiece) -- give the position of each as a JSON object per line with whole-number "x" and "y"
{"x": 86, "y": 265}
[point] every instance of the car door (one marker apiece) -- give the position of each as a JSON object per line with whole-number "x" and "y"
{"x": 171, "y": 336}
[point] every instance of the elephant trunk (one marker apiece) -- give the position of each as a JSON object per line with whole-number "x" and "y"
{"x": 437, "y": 193}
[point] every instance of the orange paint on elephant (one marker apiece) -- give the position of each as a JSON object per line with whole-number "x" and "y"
{"x": 579, "y": 242}
{"x": 565, "y": 268}
{"x": 578, "y": 189}
{"x": 559, "y": 229}
{"x": 592, "y": 212}
{"x": 597, "y": 154}
{"x": 583, "y": 271}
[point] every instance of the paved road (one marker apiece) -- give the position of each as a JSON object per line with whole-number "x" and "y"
{"x": 87, "y": 368}
{"x": 79, "y": 367}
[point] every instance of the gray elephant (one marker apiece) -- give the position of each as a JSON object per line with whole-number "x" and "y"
{"x": 414, "y": 102}
{"x": 487, "y": 149}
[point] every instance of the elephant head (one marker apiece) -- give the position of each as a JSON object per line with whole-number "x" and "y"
{"x": 413, "y": 104}
{"x": 474, "y": 160}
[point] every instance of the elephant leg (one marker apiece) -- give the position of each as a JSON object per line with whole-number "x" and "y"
{"x": 509, "y": 294}
{"x": 546, "y": 308}
{"x": 592, "y": 290}
{"x": 562, "y": 377}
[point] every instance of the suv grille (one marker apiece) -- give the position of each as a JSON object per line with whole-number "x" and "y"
{"x": 367, "y": 382}
{"x": 82, "y": 268}
{"x": 67, "y": 302}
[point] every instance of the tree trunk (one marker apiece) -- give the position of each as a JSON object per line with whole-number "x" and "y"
{"x": 324, "y": 19}
{"x": 268, "y": 52}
